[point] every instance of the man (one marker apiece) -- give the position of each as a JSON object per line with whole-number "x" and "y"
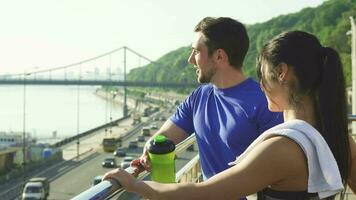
{"x": 230, "y": 110}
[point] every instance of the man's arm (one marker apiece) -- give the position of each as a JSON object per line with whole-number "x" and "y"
{"x": 171, "y": 131}
{"x": 168, "y": 129}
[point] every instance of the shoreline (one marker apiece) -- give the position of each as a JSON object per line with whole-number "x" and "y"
{"x": 119, "y": 99}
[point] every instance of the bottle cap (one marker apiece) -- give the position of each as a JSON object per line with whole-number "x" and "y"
{"x": 161, "y": 145}
{"x": 160, "y": 138}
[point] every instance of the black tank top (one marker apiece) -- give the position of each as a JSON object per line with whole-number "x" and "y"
{"x": 269, "y": 194}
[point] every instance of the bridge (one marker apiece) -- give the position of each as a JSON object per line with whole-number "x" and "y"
{"x": 96, "y": 82}
{"x": 108, "y": 69}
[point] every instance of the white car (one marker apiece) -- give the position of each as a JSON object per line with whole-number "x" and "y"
{"x": 154, "y": 126}
{"x": 126, "y": 162}
{"x": 33, "y": 190}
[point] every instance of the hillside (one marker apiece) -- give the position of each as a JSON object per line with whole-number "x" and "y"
{"x": 329, "y": 21}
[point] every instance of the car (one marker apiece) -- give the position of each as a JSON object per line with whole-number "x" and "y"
{"x": 97, "y": 179}
{"x": 146, "y": 131}
{"x": 119, "y": 152}
{"x": 156, "y": 118}
{"x": 154, "y": 126}
{"x": 109, "y": 162}
{"x": 163, "y": 118}
{"x": 133, "y": 145}
{"x": 126, "y": 162}
{"x": 140, "y": 138}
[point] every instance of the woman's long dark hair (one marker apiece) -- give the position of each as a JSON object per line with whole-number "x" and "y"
{"x": 319, "y": 74}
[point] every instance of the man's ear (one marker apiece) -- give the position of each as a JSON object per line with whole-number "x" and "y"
{"x": 221, "y": 56}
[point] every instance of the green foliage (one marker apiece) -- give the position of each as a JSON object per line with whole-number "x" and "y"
{"x": 172, "y": 67}
{"x": 329, "y": 22}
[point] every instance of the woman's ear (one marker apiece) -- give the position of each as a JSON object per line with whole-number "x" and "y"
{"x": 282, "y": 72}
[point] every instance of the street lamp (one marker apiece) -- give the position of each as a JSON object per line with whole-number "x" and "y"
{"x": 78, "y": 109}
{"x": 25, "y": 74}
{"x": 113, "y": 93}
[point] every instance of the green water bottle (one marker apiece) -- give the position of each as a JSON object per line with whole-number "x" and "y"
{"x": 161, "y": 154}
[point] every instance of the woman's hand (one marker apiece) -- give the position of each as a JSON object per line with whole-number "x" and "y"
{"x": 125, "y": 179}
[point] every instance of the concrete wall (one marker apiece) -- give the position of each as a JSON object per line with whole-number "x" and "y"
{"x": 7, "y": 159}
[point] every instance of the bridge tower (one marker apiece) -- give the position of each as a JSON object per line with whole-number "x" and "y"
{"x": 125, "y": 109}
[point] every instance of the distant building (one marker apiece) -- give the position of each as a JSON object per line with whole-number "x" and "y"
{"x": 11, "y": 139}
{"x": 54, "y": 134}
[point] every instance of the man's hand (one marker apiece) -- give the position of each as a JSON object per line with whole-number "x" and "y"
{"x": 141, "y": 164}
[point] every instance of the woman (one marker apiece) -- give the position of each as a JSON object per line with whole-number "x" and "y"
{"x": 309, "y": 156}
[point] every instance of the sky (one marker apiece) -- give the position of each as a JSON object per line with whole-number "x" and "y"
{"x": 52, "y": 33}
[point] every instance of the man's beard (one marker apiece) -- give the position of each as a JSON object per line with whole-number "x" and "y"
{"x": 207, "y": 76}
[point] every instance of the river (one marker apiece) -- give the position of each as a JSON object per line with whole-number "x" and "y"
{"x": 54, "y": 109}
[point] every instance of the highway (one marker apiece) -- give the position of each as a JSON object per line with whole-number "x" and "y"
{"x": 79, "y": 177}
{"x": 74, "y": 175}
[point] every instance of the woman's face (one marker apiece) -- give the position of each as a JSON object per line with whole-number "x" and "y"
{"x": 274, "y": 90}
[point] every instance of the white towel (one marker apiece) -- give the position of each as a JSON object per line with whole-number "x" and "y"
{"x": 324, "y": 176}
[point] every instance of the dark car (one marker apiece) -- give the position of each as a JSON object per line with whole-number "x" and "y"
{"x": 133, "y": 145}
{"x": 140, "y": 138}
{"x": 119, "y": 152}
{"x": 146, "y": 131}
{"x": 97, "y": 180}
{"x": 109, "y": 162}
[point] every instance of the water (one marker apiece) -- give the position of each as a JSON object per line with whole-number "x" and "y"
{"x": 54, "y": 109}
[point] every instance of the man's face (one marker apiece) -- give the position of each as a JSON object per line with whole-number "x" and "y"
{"x": 199, "y": 57}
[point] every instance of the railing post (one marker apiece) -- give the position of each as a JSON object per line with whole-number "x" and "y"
{"x": 353, "y": 69}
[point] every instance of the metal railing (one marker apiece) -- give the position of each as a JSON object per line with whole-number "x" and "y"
{"x": 349, "y": 194}
{"x": 104, "y": 190}
{"x": 189, "y": 173}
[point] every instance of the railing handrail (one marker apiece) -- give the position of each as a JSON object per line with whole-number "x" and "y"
{"x": 104, "y": 190}
{"x": 187, "y": 167}
{"x": 351, "y": 118}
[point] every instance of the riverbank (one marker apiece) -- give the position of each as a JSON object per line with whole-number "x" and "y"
{"x": 118, "y": 99}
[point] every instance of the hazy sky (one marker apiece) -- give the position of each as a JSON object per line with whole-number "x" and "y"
{"x": 54, "y": 33}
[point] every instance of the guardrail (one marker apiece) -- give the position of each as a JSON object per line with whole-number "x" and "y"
{"x": 189, "y": 173}
{"x": 88, "y": 132}
{"x": 349, "y": 194}
{"x": 104, "y": 190}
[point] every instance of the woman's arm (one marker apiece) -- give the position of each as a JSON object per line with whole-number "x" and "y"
{"x": 270, "y": 162}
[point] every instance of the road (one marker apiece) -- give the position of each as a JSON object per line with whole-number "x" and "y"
{"x": 74, "y": 175}
{"x": 80, "y": 178}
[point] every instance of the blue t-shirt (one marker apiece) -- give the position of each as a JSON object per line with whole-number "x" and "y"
{"x": 225, "y": 121}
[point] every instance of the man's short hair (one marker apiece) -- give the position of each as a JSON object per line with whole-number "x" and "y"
{"x": 227, "y": 34}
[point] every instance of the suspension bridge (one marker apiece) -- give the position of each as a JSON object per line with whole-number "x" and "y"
{"x": 108, "y": 69}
